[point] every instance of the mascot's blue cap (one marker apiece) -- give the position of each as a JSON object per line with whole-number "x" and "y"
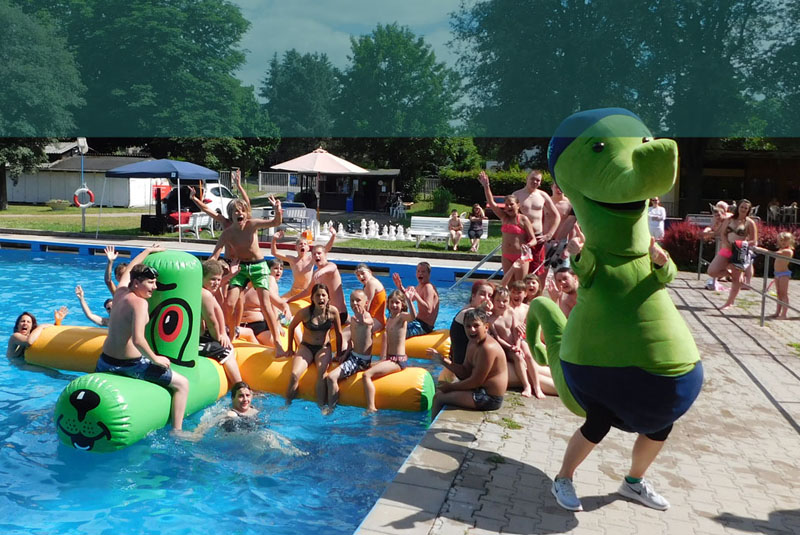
{"x": 573, "y": 126}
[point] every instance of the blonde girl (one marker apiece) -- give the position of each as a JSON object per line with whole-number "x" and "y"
{"x": 782, "y": 273}
{"x": 393, "y": 350}
{"x": 475, "y": 230}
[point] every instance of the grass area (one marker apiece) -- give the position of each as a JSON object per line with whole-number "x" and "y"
{"x": 121, "y": 225}
{"x": 44, "y": 210}
{"x": 796, "y": 347}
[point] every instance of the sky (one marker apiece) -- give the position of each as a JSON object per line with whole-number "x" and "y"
{"x": 326, "y": 26}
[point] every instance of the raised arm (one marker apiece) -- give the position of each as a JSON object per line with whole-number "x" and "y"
{"x": 329, "y": 245}
{"x": 274, "y": 250}
{"x": 91, "y": 316}
{"x": 138, "y": 259}
{"x": 411, "y": 315}
{"x": 237, "y": 179}
{"x": 111, "y": 255}
{"x": 483, "y": 178}
{"x": 219, "y": 218}
{"x": 275, "y": 221}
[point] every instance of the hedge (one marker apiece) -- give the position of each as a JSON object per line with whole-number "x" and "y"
{"x": 467, "y": 190}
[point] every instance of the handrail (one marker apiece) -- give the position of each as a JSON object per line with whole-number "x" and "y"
{"x": 765, "y": 278}
{"x": 478, "y": 265}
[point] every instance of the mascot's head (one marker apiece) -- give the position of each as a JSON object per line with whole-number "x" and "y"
{"x": 608, "y": 164}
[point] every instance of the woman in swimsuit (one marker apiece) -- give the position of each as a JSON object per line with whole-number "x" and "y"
{"x": 475, "y": 230}
{"x": 317, "y": 319}
{"x": 26, "y": 331}
{"x": 517, "y": 232}
{"x": 736, "y": 230}
{"x": 393, "y": 351}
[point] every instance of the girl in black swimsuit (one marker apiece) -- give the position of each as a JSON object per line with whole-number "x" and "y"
{"x": 318, "y": 319}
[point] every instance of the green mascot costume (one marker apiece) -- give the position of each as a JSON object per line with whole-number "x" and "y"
{"x": 625, "y": 358}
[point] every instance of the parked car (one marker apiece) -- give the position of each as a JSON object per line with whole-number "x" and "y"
{"x": 215, "y": 195}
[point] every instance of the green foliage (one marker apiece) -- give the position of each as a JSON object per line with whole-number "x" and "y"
{"x": 441, "y": 201}
{"x": 18, "y": 155}
{"x": 395, "y": 87}
{"x": 41, "y": 86}
{"x": 300, "y": 91}
{"x": 158, "y": 68}
{"x": 467, "y": 189}
{"x": 682, "y": 242}
{"x": 216, "y": 153}
{"x": 462, "y": 154}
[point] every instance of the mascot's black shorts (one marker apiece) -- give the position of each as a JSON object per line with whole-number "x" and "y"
{"x": 637, "y": 401}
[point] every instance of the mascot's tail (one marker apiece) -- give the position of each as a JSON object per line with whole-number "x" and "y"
{"x": 545, "y": 316}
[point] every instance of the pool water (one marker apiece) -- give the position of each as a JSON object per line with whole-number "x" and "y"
{"x": 302, "y": 472}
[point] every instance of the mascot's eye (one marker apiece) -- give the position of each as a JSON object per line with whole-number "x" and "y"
{"x": 599, "y": 146}
{"x": 646, "y": 139}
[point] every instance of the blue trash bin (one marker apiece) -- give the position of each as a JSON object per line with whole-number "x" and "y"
{"x": 290, "y": 196}
{"x": 348, "y": 205}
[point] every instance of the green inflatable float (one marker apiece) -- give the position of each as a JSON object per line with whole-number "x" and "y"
{"x": 103, "y": 412}
{"x": 625, "y": 350}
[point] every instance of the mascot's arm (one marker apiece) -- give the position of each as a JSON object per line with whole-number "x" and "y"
{"x": 584, "y": 266}
{"x": 666, "y": 273}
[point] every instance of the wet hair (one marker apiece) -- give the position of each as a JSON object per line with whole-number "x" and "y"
{"x": 786, "y": 236}
{"x": 476, "y": 314}
{"x": 500, "y": 291}
{"x": 320, "y": 247}
{"x": 317, "y": 287}
{"x": 107, "y": 302}
{"x": 275, "y": 262}
{"x": 212, "y": 268}
{"x": 142, "y": 271}
{"x": 398, "y": 294}
{"x": 477, "y": 285}
{"x": 361, "y": 266}
{"x": 518, "y": 285}
{"x": 426, "y": 265}
{"x": 120, "y": 269}
{"x": 510, "y": 198}
{"x": 239, "y": 386}
{"x": 354, "y": 292}
{"x": 19, "y": 318}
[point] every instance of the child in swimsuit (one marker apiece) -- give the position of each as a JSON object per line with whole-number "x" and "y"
{"x": 318, "y": 319}
{"x": 782, "y": 272}
{"x": 518, "y": 235}
{"x": 504, "y": 328}
{"x": 376, "y": 295}
{"x": 456, "y": 228}
{"x": 214, "y": 342}
{"x": 393, "y": 351}
{"x": 359, "y": 353}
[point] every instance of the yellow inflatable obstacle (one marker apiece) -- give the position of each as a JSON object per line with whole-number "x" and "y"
{"x": 409, "y": 390}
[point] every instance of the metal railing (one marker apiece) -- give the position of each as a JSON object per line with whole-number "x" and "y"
{"x": 280, "y": 183}
{"x": 478, "y": 265}
{"x": 765, "y": 278}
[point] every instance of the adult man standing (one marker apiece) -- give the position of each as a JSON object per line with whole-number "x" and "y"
{"x": 483, "y": 378}
{"x": 126, "y": 351}
{"x": 540, "y": 209}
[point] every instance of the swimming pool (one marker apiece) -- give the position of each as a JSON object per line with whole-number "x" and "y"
{"x": 327, "y": 478}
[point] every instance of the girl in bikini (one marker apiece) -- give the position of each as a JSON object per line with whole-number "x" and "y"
{"x": 393, "y": 351}
{"x": 318, "y": 319}
{"x": 734, "y": 231}
{"x": 518, "y": 235}
{"x": 782, "y": 272}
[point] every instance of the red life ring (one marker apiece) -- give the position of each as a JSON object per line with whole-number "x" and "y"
{"x": 77, "y": 202}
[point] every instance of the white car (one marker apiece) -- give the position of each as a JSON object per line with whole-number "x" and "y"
{"x": 216, "y": 196}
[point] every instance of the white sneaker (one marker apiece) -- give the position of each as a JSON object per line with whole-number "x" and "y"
{"x": 643, "y": 492}
{"x": 565, "y": 495}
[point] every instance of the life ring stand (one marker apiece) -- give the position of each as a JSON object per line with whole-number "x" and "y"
{"x": 77, "y": 201}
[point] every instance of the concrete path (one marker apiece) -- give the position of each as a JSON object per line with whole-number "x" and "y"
{"x": 730, "y": 466}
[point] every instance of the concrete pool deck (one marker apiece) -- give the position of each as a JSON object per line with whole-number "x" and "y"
{"x": 730, "y": 466}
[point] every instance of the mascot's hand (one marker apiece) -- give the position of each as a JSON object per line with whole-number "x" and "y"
{"x": 658, "y": 255}
{"x": 575, "y": 246}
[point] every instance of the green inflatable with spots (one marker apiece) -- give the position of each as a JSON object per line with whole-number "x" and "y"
{"x": 625, "y": 353}
{"x": 104, "y": 412}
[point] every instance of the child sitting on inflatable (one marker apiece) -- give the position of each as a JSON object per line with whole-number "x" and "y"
{"x": 214, "y": 342}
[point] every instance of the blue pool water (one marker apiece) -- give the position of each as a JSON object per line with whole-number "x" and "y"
{"x": 304, "y": 473}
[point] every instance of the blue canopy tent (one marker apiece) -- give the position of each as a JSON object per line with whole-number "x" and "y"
{"x": 176, "y": 171}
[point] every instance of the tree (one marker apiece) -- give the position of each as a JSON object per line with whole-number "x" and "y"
{"x": 685, "y": 67}
{"x": 157, "y": 67}
{"x": 41, "y": 91}
{"x": 216, "y": 153}
{"x": 395, "y": 87}
{"x": 299, "y": 91}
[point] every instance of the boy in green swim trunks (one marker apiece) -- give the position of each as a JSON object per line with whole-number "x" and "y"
{"x": 240, "y": 241}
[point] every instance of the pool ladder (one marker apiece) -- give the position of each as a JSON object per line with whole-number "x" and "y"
{"x": 478, "y": 265}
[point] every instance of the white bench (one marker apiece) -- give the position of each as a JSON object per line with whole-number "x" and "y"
{"x": 197, "y": 222}
{"x": 436, "y": 228}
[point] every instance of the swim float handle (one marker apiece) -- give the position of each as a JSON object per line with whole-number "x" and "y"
{"x": 75, "y": 197}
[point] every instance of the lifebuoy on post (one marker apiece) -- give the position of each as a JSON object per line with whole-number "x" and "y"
{"x": 78, "y": 192}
